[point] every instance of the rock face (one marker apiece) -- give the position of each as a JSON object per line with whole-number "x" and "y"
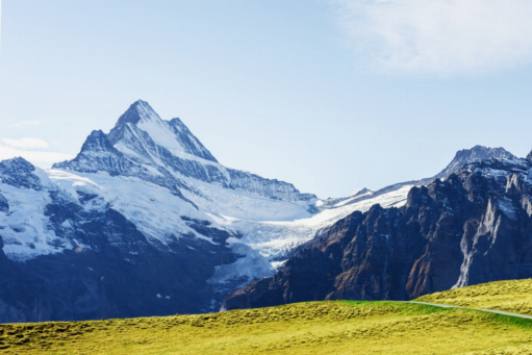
{"x": 19, "y": 173}
{"x": 479, "y": 154}
{"x": 4, "y": 204}
{"x": 475, "y": 226}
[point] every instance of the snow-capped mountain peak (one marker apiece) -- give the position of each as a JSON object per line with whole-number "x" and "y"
{"x": 167, "y": 153}
{"x": 477, "y": 154}
{"x": 142, "y": 127}
{"x": 138, "y": 111}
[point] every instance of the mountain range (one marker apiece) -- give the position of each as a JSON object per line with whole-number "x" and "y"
{"x": 146, "y": 221}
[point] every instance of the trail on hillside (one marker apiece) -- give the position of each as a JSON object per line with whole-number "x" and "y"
{"x": 486, "y": 310}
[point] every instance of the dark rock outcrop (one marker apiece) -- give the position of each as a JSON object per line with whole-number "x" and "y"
{"x": 475, "y": 226}
{"x": 20, "y": 173}
{"x": 479, "y": 154}
{"x": 4, "y": 204}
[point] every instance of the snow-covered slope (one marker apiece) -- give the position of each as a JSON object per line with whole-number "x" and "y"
{"x": 23, "y": 221}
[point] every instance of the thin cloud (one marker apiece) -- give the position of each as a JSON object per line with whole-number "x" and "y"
{"x": 25, "y": 124}
{"x": 439, "y": 36}
{"x": 26, "y": 143}
{"x": 43, "y": 159}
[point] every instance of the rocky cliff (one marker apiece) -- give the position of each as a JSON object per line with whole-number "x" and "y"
{"x": 471, "y": 227}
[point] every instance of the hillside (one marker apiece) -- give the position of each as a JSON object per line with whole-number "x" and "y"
{"x": 339, "y": 327}
{"x": 511, "y": 296}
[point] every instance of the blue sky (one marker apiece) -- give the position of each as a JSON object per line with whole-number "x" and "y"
{"x": 330, "y": 95}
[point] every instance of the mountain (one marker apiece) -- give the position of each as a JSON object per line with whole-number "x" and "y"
{"x": 477, "y": 154}
{"x": 472, "y": 226}
{"x": 146, "y": 221}
{"x": 143, "y": 221}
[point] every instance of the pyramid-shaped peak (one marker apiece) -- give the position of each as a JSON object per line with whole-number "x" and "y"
{"x": 97, "y": 141}
{"x": 138, "y": 111}
{"x": 140, "y": 126}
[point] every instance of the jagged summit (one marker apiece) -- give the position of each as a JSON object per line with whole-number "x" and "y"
{"x": 138, "y": 111}
{"x": 19, "y": 172}
{"x": 141, "y": 126}
{"x": 96, "y": 141}
{"x": 479, "y": 152}
{"x": 139, "y": 137}
{"x": 165, "y": 152}
{"x": 476, "y": 154}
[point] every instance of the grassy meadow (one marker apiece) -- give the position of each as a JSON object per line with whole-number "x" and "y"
{"x": 331, "y": 327}
{"x": 511, "y": 296}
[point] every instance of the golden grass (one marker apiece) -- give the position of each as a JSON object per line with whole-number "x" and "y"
{"x": 340, "y": 327}
{"x": 512, "y": 296}
{"x": 305, "y": 328}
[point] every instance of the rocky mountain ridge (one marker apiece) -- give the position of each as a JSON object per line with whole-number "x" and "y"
{"x": 471, "y": 227}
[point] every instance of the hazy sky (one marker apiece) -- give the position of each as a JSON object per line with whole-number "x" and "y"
{"x": 330, "y": 95}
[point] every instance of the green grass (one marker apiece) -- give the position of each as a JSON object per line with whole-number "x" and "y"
{"x": 339, "y": 327}
{"x": 512, "y": 296}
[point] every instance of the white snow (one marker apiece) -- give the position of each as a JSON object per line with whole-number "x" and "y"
{"x": 24, "y": 229}
{"x": 240, "y": 204}
{"x": 272, "y": 239}
{"x": 251, "y": 265}
{"x": 162, "y": 134}
{"x": 152, "y": 208}
{"x": 269, "y": 227}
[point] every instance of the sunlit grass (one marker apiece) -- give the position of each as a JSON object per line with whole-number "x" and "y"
{"x": 512, "y": 296}
{"x": 340, "y": 327}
